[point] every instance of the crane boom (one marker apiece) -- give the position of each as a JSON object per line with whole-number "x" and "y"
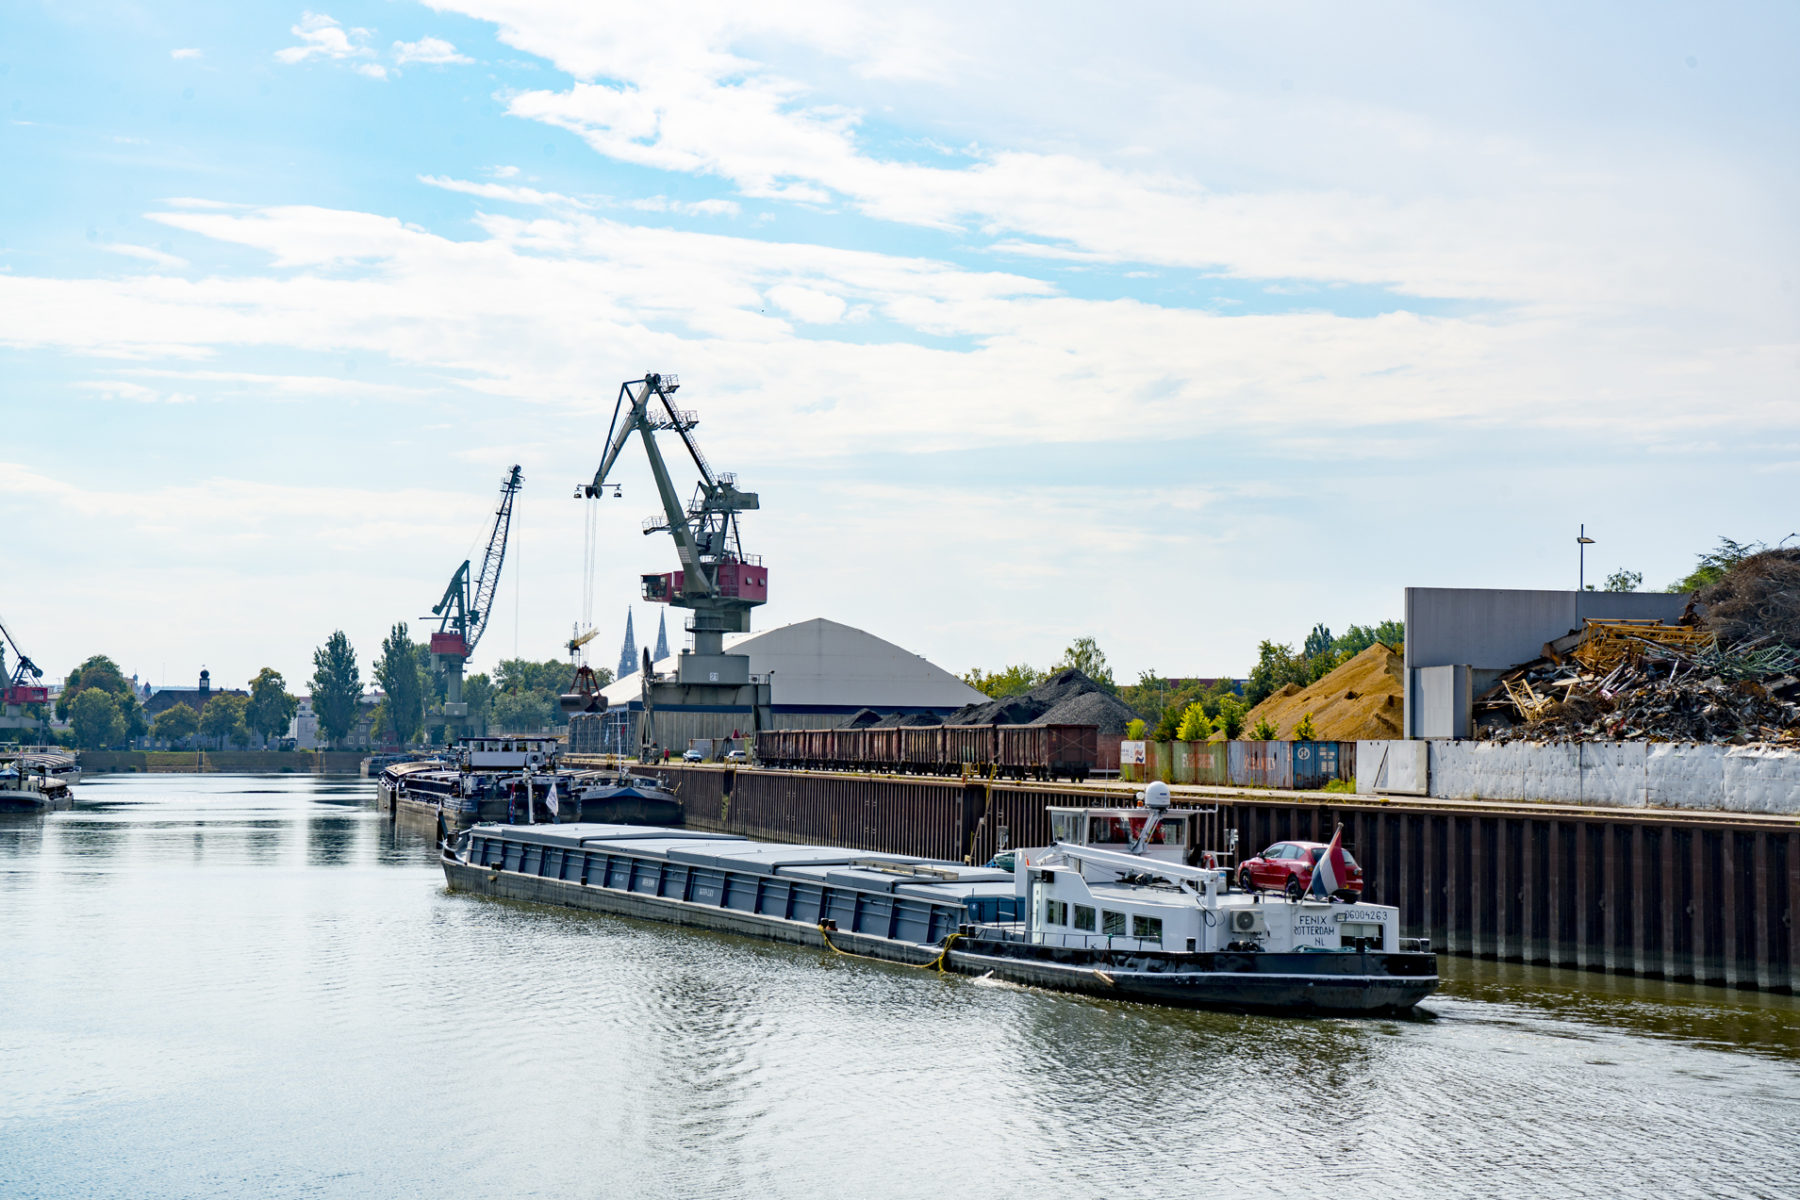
{"x": 488, "y": 582}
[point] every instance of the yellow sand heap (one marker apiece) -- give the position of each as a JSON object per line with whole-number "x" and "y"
{"x": 1361, "y": 699}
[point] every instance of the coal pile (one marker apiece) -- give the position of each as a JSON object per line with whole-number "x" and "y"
{"x": 868, "y": 718}
{"x": 1066, "y": 698}
{"x": 1730, "y": 674}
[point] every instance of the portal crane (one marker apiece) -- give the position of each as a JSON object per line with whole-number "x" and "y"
{"x": 718, "y": 583}
{"x": 22, "y": 688}
{"x": 464, "y": 611}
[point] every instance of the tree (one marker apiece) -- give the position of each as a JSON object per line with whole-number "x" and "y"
{"x": 175, "y": 724}
{"x": 336, "y": 687}
{"x": 1358, "y": 638}
{"x": 1195, "y": 726}
{"x": 478, "y": 694}
{"x": 1263, "y": 730}
{"x": 1231, "y": 717}
{"x": 271, "y": 708}
{"x": 1622, "y": 580}
{"x": 131, "y": 711}
{"x": 95, "y": 718}
{"x": 397, "y": 674}
{"x": 1306, "y": 731}
{"x": 223, "y": 717}
{"x": 1714, "y": 563}
{"x": 1168, "y": 725}
{"x": 524, "y": 711}
{"x": 97, "y": 672}
{"x": 1010, "y": 681}
{"x": 1085, "y": 655}
{"x": 1134, "y": 729}
{"x": 1317, "y": 642}
{"x": 1276, "y": 666}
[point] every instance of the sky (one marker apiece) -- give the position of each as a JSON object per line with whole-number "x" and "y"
{"x": 1179, "y": 326}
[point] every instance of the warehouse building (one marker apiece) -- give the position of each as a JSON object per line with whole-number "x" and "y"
{"x": 819, "y": 673}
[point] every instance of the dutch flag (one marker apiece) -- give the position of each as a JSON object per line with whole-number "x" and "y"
{"x": 1331, "y": 872}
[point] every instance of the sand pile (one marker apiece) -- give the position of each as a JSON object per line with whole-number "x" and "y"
{"x": 1361, "y": 699}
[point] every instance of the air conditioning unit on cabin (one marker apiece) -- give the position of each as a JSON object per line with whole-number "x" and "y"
{"x": 1248, "y": 920}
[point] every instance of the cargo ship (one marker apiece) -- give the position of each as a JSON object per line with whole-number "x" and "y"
{"x": 517, "y": 780}
{"x": 1120, "y": 924}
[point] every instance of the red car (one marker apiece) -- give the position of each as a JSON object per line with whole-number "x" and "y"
{"x": 1288, "y": 867}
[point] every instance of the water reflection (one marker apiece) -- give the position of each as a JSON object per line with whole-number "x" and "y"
{"x": 222, "y": 987}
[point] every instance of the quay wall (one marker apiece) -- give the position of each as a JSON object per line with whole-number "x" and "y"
{"x": 1679, "y": 775}
{"x": 1706, "y": 896}
{"x": 101, "y": 762}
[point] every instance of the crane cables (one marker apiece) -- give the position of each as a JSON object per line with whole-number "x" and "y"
{"x": 590, "y": 562}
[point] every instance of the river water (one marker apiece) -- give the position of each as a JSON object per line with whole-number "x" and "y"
{"x": 251, "y": 986}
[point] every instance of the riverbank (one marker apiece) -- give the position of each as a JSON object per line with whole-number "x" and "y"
{"x": 206, "y": 762}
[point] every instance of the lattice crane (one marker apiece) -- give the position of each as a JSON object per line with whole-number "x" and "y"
{"x": 467, "y": 604}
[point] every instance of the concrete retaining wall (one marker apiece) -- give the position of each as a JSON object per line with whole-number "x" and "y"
{"x": 1606, "y": 774}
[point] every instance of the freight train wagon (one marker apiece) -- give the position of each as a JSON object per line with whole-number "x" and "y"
{"x": 1007, "y": 751}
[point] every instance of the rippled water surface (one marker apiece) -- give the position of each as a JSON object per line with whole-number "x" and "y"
{"x": 252, "y": 986}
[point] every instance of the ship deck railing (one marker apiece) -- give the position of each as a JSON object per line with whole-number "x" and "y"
{"x": 1018, "y": 934}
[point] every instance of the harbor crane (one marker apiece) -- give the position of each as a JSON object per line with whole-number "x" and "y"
{"x": 22, "y": 687}
{"x": 467, "y": 604}
{"x": 717, "y": 582}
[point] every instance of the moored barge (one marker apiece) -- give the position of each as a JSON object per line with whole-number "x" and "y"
{"x": 1079, "y": 918}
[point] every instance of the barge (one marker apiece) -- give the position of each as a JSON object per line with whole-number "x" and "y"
{"x": 517, "y": 781}
{"x": 1077, "y": 918}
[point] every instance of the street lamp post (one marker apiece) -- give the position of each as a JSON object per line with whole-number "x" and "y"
{"x": 1583, "y": 541}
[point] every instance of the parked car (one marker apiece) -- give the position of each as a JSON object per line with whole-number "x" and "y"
{"x": 1288, "y": 867}
{"x": 692, "y": 756}
{"x": 736, "y": 756}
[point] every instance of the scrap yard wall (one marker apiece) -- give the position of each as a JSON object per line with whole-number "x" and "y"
{"x": 1704, "y": 896}
{"x": 1687, "y": 775}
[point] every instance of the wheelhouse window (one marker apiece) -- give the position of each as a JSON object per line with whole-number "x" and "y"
{"x": 1084, "y": 918}
{"x": 1056, "y": 912}
{"x": 1112, "y": 924}
{"x": 1148, "y": 929}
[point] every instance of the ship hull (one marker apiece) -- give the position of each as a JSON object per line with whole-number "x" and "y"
{"x": 1332, "y": 982}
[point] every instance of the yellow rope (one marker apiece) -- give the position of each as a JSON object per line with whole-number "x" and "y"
{"x": 935, "y": 964}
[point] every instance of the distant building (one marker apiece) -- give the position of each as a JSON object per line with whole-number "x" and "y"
{"x": 162, "y": 700}
{"x": 304, "y": 728}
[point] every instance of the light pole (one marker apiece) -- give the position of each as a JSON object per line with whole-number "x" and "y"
{"x": 1584, "y": 541}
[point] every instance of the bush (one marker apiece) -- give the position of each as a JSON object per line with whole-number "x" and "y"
{"x": 1341, "y": 785}
{"x": 1306, "y": 731}
{"x": 1263, "y": 731}
{"x": 1194, "y": 725}
{"x": 1231, "y": 717}
{"x": 1134, "y": 730}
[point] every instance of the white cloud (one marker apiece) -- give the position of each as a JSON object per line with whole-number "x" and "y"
{"x": 1405, "y": 197}
{"x": 511, "y": 193}
{"x": 694, "y": 208}
{"x": 123, "y": 389}
{"x": 428, "y": 50}
{"x": 503, "y": 172}
{"x": 372, "y": 70}
{"x": 189, "y": 52}
{"x": 541, "y": 306}
{"x": 807, "y": 304}
{"x": 322, "y": 37}
{"x": 159, "y": 257}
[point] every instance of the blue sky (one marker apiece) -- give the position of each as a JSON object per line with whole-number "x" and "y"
{"x": 1182, "y": 326}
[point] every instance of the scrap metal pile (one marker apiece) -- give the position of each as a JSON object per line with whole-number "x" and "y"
{"x": 1729, "y": 673}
